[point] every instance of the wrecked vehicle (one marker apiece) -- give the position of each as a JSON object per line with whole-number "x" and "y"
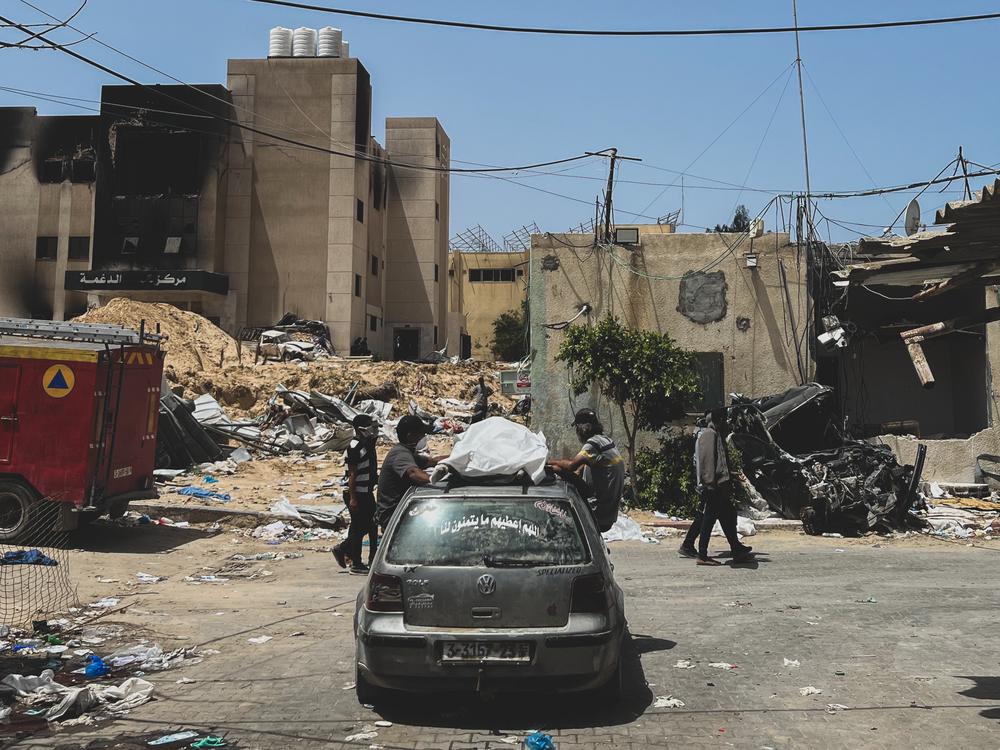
{"x": 281, "y": 346}
{"x": 796, "y": 455}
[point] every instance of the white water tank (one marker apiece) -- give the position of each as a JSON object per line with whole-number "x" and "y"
{"x": 345, "y": 49}
{"x": 330, "y": 39}
{"x": 279, "y": 42}
{"x": 304, "y": 42}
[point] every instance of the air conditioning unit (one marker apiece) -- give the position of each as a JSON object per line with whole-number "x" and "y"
{"x": 626, "y": 235}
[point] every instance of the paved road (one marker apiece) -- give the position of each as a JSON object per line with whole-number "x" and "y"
{"x": 901, "y": 633}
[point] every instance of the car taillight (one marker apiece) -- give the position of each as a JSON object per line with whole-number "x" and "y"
{"x": 590, "y": 594}
{"x": 385, "y": 593}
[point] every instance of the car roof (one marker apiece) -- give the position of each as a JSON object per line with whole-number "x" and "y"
{"x": 558, "y": 490}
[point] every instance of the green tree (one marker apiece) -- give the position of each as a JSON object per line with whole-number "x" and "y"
{"x": 646, "y": 375}
{"x": 741, "y": 221}
{"x": 510, "y": 334}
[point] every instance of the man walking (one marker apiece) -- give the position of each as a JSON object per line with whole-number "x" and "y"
{"x": 607, "y": 468}
{"x": 403, "y": 467}
{"x": 715, "y": 486}
{"x": 481, "y": 397}
{"x": 360, "y": 460}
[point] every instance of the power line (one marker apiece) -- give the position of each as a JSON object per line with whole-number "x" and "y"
{"x": 628, "y": 32}
{"x": 353, "y": 155}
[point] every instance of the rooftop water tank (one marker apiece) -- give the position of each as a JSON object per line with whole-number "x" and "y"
{"x": 345, "y": 49}
{"x": 330, "y": 39}
{"x": 304, "y": 42}
{"x": 279, "y": 42}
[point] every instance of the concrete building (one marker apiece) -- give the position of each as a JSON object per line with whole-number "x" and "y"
{"x": 690, "y": 286}
{"x": 483, "y": 287}
{"x": 183, "y": 205}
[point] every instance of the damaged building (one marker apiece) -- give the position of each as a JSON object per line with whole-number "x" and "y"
{"x": 177, "y": 194}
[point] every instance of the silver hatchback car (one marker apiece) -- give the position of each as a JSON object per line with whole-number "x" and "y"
{"x": 490, "y": 588}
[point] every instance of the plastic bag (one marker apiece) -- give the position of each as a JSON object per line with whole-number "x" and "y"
{"x": 499, "y": 446}
{"x": 624, "y": 530}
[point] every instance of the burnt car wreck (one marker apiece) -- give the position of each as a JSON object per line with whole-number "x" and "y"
{"x": 796, "y": 455}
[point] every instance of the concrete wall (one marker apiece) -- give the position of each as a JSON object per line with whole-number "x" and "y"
{"x": 483, "y": 302}
{"x": 417, "y": 241}
{"x": 19, "y": 213}
{"x": 759, "y": 360}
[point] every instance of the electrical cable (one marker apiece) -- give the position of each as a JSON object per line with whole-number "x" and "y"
{"x": 625, "y": 32}
{"x": 719, "y": 136}
{"x": 355, "y": 155}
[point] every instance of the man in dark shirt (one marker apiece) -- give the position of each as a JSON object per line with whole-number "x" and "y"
{"x": 481, "y": 398}
{"x": 360, "y": 460}
{"x": 403, "y": 467}
{"x": 715, "y": 486}
{"x": 607, "y": 468}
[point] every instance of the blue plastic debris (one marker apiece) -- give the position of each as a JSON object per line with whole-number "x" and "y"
{"x": 539, "y": 741}
{"x": 202, "y": 493}
{"x": 26, "y": 557}
{"x": 96, "y": 667}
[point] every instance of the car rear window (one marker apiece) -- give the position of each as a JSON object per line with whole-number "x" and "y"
{"x": 464, "y": 531}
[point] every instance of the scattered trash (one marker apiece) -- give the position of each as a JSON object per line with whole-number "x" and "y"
{"x": 869, "y": 600}
{"x": 175, "y": 737}
{"x": 259, "y": 639}
{"x": 809, "y": 690}
{"x": 184, "y": 681}
{"x": 383, "y": 724}
{"x": 833, "y": 536}
{"x": 96, "y": 667}
{"x": 361, "y": 736}
{"x": 114, "y": 700}
{"x": 625, "y": 530}
{"x": 738, "y": 603}
{"x": 792, "y": 662}
{"x": 206, "y": 579}
{"x": 723, "y": 665}
{"x": 27, "y": 557}
{"x": 202, "y": 494}
{"x": 832, "y": 708}
{"x": 208, "y": 742}
{"x": 684, "y": 664}
{"x": 668, "y": 701}
{"x": 539, "y": 740}
{"x": 148, "y": 578}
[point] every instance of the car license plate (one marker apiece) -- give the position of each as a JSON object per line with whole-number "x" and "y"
{"x": 480, "y": 651}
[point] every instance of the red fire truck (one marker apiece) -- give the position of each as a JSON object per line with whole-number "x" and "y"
{"x": 78, "y": 413}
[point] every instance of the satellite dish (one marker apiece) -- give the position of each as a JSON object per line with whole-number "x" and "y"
{"x": 912, "y": 223}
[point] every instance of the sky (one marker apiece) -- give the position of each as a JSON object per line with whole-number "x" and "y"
{"x": 883, "y": 107}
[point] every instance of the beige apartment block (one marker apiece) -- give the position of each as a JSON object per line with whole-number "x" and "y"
{"x": 483, "y": 287}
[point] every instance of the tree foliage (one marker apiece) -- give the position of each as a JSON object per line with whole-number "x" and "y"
{"x": 741, "y": 222}
{"x": 510, "y": 334}
{"x": 645, "y": 374}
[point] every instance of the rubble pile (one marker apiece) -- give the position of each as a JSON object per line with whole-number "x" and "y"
{"x": 795, "y": 454}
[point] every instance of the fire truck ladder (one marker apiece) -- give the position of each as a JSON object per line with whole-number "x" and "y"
{"x": 93, "y": 333}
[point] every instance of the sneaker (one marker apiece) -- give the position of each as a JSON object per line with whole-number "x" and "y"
{"x": 685, "y": 551}
{"x": 359, "y": 570}
{"x": 340, "y": 556}
{"x": 743, "y": 558}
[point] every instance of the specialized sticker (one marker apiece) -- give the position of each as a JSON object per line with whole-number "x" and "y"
{"x": 58, "y": 381}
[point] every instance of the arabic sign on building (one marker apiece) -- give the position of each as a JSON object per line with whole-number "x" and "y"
{"x": 164, "y": 281}
{"x": 515, "y": 382}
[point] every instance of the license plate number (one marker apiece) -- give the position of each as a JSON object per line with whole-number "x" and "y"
{"x": 479, "y": 651}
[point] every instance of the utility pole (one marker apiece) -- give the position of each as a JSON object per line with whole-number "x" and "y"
{"x": 614, "y": 157}
{"x": 802, "y": 101}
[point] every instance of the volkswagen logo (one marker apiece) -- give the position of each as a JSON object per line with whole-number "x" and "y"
{"x": 487, "y": 584}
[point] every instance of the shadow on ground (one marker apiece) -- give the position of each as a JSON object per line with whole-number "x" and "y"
{"x": 110, "y": 538}
{"x": 544, "y": 711}
{"x": 985, "y": 689}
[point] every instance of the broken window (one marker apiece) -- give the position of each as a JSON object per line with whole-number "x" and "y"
{"x": 372, "y": 323}
{"x": 46, "y": 248}
{"x": 79, "y": 248}
{"x": 83, "y": 170}
{"x": 711, "y": 380}
{"x": 52, "y": 170}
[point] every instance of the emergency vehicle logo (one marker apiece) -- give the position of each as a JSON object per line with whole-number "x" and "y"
{"x": 58, "y": 381}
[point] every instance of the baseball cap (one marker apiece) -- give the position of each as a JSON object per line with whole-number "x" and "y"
{"x": 585, "y": 416}
{"x": 410, "y": 424}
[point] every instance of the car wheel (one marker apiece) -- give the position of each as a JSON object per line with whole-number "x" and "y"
{"x": 18, "y": 510}
{"x": 368, "y": 694}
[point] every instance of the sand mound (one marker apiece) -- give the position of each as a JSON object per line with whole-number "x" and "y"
{"x": 193, "y": 345}
{"x": 202, "y": 358}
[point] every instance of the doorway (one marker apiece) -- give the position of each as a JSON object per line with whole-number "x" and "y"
{"x": 405, "y": 343}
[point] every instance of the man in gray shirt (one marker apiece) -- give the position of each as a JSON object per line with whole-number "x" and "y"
{"x": 403, "y": 467}
{"x": 607, "y": 468}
